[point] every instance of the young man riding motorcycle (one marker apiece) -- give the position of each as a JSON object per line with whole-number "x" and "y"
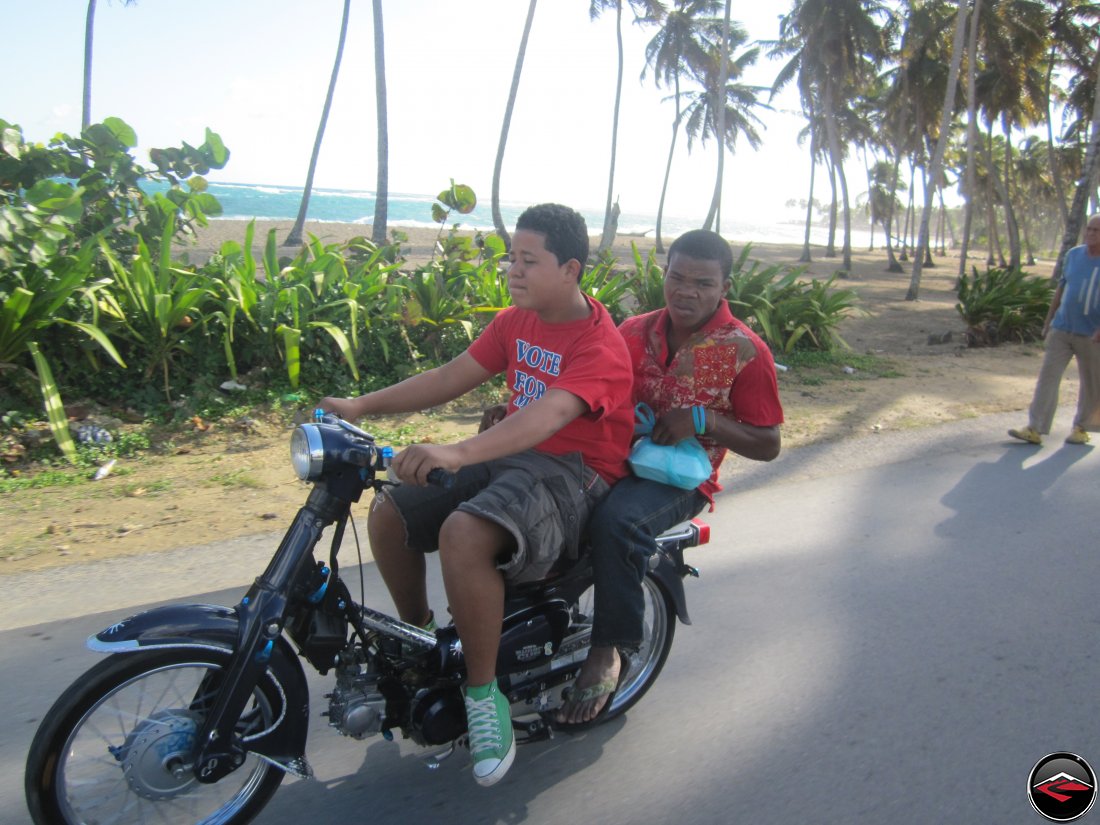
{"x": 525, "y": 488}
{"x": 693, "y": 353}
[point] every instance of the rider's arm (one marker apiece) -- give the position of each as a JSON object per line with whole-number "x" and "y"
{"x": 426, "y": 389}
{"x": 757, "y": 443}
{"x": 520, "y": 431}
{"x": 748, "y": 440}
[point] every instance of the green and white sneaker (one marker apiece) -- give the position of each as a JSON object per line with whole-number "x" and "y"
{"x": 492, "y": 743}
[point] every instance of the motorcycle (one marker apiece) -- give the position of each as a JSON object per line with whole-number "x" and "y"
{"x": 201, "y": 710}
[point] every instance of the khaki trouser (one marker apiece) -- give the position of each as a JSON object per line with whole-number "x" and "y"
{"x": 1060, "y": 348}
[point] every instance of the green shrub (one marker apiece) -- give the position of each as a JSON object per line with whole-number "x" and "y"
{"x": 786, "y": 312}
{"x": 1001, "y": 305}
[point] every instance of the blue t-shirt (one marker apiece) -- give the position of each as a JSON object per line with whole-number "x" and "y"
{"x": 1079, "y": 311}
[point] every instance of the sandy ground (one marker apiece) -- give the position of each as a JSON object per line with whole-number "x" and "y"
{"x": 232, "y": 481}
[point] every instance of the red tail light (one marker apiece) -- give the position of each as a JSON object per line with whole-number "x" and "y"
{"x": 702, "y": 529}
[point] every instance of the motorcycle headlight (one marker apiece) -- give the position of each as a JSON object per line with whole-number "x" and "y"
{"x": 307, "y": 453}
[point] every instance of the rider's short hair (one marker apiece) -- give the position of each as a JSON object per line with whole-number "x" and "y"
{"x": 564, "y": 230}
{"x": 704, "y": 245}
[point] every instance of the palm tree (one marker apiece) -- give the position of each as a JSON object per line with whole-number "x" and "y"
{"x": 645, "y": 11}
{"x": 721, "y": 107}
{"x": 941, "y": 147}
{"x": 835, "y": 47}
{"x": 295, "y": 236}
{"x": 498, "y": 221}
{"x": 1070, "y": 36}
{"x": 89, "y": 35}
{"x": 1086, "y": 183}
{"x": 381, "y": 189}
{"x": 1011, "y": 84}
{"x": 971, "y": 132}
{"x": 677, "y": 49}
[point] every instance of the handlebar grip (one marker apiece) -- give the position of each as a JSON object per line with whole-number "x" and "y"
{"x": 441, "y": 478}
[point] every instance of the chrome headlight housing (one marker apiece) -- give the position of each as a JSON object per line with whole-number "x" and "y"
{"x": 307, "y": 452}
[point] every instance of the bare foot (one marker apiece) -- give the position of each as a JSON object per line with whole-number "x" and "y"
{"x": 594, "y": 687}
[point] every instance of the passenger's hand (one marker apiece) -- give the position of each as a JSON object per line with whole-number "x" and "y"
{"x": 493, "y": 415}
{"x": 673, "y": 427}
{"x": 346, "y": 408}
{"x": 413, "y": 464}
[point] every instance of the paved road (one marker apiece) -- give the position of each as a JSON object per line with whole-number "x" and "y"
{"x": 891, "y": 629}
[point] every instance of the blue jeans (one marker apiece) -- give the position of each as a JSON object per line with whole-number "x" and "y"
{"x": 621, "y": 532}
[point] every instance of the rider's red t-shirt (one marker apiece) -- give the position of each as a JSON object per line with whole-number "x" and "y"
{"x": 586, "y": 358}
{"x": 724, "y": 366}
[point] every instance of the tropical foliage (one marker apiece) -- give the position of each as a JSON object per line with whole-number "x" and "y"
{"x": 1001, "y": 305}
{"x": 97, "y": 301}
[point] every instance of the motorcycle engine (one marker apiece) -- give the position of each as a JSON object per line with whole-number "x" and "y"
{"x": 355, "y": 707}
{"x": 438, "y": 716}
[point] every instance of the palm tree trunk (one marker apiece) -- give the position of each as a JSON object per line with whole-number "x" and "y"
{"x": 805, "y": 257}
{"x": 1052, "y": 156}
{"x": 89, "y": 36}
{"x": 660, "y": 247}
{"x": 498, "y": 221}
{"x": 971, "y": 135}
{"x": 1011, "y": 225}
{"x": 1084, "y": 184}
{"x": 608, "y": 230}
{"x": 720, "y": 126}
{"x": 295, "y": 236}
{"x": 941, "y": 146}
{"x": 381, "y": 190}
{"x": 867, "y": 171}
{"x": 833, "y": 137}
{"x": 830, "y": 246}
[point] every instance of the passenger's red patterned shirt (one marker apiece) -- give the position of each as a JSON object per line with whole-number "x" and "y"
{"x": 724, "y": 366}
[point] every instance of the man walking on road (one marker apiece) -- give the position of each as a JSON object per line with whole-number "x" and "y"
{"x": 1072, "y": 330}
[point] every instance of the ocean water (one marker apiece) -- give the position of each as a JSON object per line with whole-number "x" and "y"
{"x": 244, "y": 201}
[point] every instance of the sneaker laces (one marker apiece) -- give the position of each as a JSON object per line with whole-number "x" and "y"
{"x": 486, "y": 731}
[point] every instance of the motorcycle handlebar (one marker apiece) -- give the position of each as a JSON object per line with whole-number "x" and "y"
{"x": 441, "y": 478}
{"x": 436, "y": 476}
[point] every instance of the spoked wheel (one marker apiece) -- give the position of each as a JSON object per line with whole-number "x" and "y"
{"x": 641, "y": 669}
{"x": 115, "y": 748}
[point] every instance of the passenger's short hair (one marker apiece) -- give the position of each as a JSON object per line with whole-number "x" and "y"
{"x": 704, "y": 245}
{"x": 564, "y": 230}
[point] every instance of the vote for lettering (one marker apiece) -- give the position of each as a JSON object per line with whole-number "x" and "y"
{"x": 527, "y": 386}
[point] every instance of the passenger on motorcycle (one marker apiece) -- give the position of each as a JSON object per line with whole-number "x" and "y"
{"x": 525, "y": 488}
{"x": 692, "y": 353}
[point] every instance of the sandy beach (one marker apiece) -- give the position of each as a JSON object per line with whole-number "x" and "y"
{"x": 421, "y": 241}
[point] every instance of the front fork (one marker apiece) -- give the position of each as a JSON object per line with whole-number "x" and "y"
{"x": 261, "y": 615}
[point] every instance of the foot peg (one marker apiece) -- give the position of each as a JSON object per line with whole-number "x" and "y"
{"x": 535, "y": 730}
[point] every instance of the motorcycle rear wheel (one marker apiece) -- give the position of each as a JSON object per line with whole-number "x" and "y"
{"x": 113, "y": 747}
{"x": 640, "y": 670}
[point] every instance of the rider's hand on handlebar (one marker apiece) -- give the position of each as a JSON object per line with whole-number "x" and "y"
{"x": 346, "y": 408}
{"x": 492, "y": 416}
{"x": 413, "y": 464}
{"x": 673, "y": 427}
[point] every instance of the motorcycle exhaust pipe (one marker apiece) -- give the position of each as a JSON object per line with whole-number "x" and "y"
{"x": 408, "y": 634}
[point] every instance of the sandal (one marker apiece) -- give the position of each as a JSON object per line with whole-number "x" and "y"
{"x": 608, "y": 687}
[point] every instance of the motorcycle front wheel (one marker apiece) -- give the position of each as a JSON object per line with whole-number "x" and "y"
{"x": 115, "y": 746}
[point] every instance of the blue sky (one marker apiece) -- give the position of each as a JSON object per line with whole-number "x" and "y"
{"x": 256, "y": 71}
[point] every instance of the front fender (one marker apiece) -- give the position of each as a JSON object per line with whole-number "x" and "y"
{"x": 208, "y": 626}
{"x": 215, "y": 627}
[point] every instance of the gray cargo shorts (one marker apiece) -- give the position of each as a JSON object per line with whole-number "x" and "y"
{"x": 542, "y": 500}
